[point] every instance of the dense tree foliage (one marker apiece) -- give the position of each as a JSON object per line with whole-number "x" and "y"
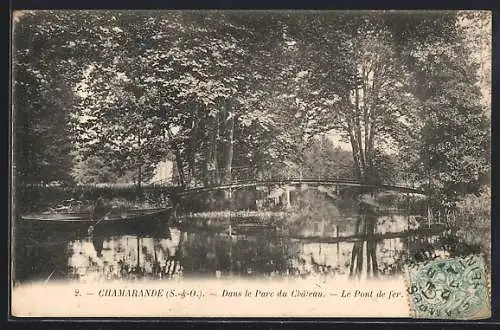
{"x": 224, "y": 90}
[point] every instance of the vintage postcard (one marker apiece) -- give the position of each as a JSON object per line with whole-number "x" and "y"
{"x": 251, "y": 164}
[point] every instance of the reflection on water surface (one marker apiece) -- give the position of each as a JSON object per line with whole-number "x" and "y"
{"x": 359, "y": 248}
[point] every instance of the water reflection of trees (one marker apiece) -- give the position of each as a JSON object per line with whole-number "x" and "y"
{"x": 212, "y": 254}
{"x": 41, "y": 260}
{"x": 126, "y": 257}
{"x": 384, "y": 257}
{"x": 365, "y": 228}
{"x": 242, "y": 255}
{"x": 176, "y": 254}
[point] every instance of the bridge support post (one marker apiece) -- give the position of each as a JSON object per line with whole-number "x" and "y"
{"x": 287, "y": 199}
{"x": 429, "y": 215}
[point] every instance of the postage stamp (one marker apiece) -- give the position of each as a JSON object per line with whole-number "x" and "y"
{"x": 449, "y": 289}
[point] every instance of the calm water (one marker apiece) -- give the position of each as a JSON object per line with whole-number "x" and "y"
{"x": 346, "y": 247}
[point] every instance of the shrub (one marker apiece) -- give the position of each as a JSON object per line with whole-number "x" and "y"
{"x": 472, "y": 220}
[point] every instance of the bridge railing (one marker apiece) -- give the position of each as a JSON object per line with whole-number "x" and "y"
{"x": 205, "y": 178}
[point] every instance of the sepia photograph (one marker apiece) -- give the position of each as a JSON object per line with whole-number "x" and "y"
{"x": 251, "y": 163}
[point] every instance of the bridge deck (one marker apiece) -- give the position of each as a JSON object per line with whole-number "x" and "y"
{"x": 296, "y": 182}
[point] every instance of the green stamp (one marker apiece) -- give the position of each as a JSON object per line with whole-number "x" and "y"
{"x": 450, "y": 289}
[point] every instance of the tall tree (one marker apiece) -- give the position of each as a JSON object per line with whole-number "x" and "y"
{"x": 448, "y": 142}
{"x": 42, "y": 99}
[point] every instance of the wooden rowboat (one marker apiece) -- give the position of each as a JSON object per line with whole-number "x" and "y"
{"x": 131, "y": 214}
{"x": 81, "y": 221}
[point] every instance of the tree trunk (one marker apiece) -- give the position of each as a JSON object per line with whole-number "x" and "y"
{"x": 139, "y": 176}
{"x": 228, "y": 148}
{"x": 192, "y": 151}
{"x": 360, "y": 120}
{"x": 215, "y": 150}
{"x": 355, "y": 150}
{"x": 211, "y": 164}
{"x": 355, "y": 156}
{"x": 206, "y": 165}
{"x": 178, "y": 160}
{"x": 180, "y": 170}
{"x": 358, "y": 133}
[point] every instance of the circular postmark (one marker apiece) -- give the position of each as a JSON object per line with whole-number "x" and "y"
{"x": 448, "y": 289}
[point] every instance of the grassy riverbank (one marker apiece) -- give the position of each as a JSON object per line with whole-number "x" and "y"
{"x": 234, "y": 214}
{"x": 472, "y": 221}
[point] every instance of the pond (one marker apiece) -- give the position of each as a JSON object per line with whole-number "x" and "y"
{"x": 355, "y": 248}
